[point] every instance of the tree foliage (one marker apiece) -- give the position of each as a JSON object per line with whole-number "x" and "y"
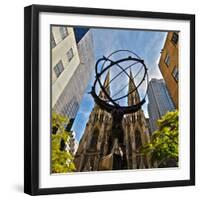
{"x": 61, "y": 159}
{"x": 163, "y": 146}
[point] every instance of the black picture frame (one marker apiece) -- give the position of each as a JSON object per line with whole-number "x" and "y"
{"x": 31, "y": 98}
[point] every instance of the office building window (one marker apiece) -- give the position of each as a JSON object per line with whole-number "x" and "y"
{"x": 175, "y": 38}
{"x": 175, "y": 73}
{"x": 63, "y": 32}
{"x": 53, "y": 43}
{"x": 167, "y": 60}
{"x": 70, "y": 54}
{"x": 71, "y": 108}
{"x": 58, "y": 69}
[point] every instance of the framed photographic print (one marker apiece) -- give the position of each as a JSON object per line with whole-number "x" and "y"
{"x": 109, "y": 100}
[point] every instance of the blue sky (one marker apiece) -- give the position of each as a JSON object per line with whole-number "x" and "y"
{"x": 146, "y": 44}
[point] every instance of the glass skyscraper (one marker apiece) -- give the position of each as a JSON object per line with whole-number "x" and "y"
{"x": 160, "y": 102}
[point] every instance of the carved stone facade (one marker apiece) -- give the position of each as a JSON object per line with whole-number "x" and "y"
{"x": 96, "y": 143}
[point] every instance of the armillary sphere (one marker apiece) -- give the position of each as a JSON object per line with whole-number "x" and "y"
{"x": 111, "y": 103}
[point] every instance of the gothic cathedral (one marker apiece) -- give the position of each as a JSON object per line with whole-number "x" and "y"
{"x": 95, "y": 146}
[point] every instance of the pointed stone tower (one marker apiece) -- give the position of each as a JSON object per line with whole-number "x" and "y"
{"x": 106, "y": 86}
{"x": 133, "y": 98}
{"x": 96, "y": 143}
{"x": 136, "y": 131}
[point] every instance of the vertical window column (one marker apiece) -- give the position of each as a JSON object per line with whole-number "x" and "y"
{"x": 53, "y": 43}
{"x": 167, "y": 59}
{"x": 175, "y": 73}
{"x": 63, "y": 32}
{"x": 58, "y": 69}
{"x": 70, "y": 54}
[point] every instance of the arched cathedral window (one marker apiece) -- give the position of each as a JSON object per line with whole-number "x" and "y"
{"x": 101, "y": 118}
{"x": 138, "y": 144}
{"x": 95, "y": 117}
{"x": 129, "y": 145}
{"x": 130, "y": 149}
{"x": 94, "y": 139}
{"x": 138, "y": 141}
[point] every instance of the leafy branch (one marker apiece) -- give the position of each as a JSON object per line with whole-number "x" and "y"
{"x": 61, "y": 158}
{"x": 163, "y": 146}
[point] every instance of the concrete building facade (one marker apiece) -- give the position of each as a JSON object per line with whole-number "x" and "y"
{"x": 169, "y": 65}
{"x": 65, "y": 59}
{"x": 72, "y": 64}
{"x": 160, "y": 102}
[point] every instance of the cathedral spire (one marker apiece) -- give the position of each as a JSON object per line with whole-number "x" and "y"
{"x": 107, "y": 79}
{"x": 134, "y": 97}
{"x": 131, "y": 84}
{"x": 106, "y": 86}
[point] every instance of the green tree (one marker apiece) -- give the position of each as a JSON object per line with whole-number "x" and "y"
{"x": 61, "y": 160}
{"x": 163, "y": 146}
